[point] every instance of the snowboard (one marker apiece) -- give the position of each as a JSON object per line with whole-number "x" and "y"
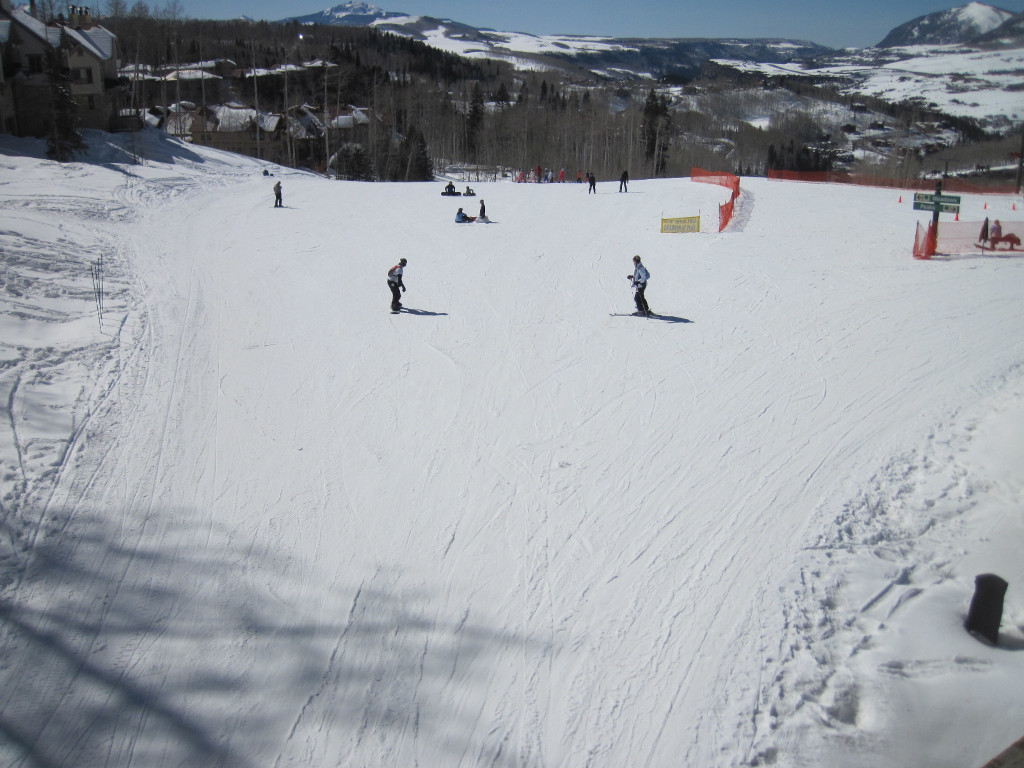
{"x": 630, "y": 314}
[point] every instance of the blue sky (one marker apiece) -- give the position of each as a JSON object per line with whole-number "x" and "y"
{"x": 837, "y": 23}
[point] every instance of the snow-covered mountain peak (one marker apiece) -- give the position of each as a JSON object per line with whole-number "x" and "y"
{"x": 956, "y": 25}
{"x": 351, "y": 13}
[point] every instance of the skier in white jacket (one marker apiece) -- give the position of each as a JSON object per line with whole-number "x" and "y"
{"x": 639, "y": 280}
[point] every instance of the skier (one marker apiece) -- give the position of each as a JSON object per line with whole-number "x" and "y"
{"x": 592, "y": 181}
{"x": 624, "y": 182}
{"x": 639, "y": 280}
{"x": 395, "y": 282}
{"x": 277, "y": 196}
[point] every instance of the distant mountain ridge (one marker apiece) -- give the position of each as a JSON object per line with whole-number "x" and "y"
{"x": 665, "y": 59}
{"x": 606, "y": 57}
{"x": 955, "y": 26}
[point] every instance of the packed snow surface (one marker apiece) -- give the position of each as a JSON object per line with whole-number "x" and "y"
{"x": 251, "y": 518}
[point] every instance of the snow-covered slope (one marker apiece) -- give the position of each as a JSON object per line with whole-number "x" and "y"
{"x": 253, "y": 519}
{"x": 966, "y": 82}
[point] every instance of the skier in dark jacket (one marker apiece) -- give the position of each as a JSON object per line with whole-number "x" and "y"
{"x": 277, "y": 196}
{"x": 624, "y": 182}
{"x": 395, "y": 283}
{"x": 592, "y": 181}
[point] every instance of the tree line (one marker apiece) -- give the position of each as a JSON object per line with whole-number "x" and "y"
{"x": 443, "y": 110}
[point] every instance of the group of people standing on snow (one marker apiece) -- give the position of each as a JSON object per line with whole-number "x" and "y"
{"x": 540, "y": 175}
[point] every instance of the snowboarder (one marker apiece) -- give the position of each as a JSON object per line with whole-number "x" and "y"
{"x": 483, "y": 211}
{"x": 592, "y": 181}
{"x": 624, "y": 182}
{"x": 639, "y": 280}
{"x": 395, "y": 283}
{"x": 461, "y": 217}
{"x": 277, "y": 196}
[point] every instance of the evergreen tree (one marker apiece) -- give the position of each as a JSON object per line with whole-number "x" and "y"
{"x": 353, "y": 163}
{"x": 419, "y": 165}
{"x": 474, "y": 121}
{"x": 63, "y": 141}
{"x": 502, "y": 97}
{"x": 655, "y": 130}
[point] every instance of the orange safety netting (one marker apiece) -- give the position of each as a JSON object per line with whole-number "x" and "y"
{"x": 964, "y": 237}
{"x": 836, "y": 177}
{"x": 727, "y": 180}
{"x": 924, "y": 241}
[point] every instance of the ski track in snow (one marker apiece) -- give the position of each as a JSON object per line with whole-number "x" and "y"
{"x": 271, "y": 524}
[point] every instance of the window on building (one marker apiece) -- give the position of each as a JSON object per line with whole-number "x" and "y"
{"x": 35, "y": 63}
{"x": 81, "y": 75}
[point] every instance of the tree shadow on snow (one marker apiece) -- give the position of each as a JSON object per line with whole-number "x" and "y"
{"x": 187, "y": 646}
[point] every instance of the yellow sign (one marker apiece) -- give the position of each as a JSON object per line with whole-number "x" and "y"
{"x": 684, "y": 224}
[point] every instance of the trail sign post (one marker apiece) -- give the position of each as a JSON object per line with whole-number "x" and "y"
{"x": 940, "y": 207}
{"x": 937, "y": 202}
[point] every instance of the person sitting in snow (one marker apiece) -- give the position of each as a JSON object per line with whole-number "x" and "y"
{"x": 461, "y": 217}
{"x": 450, "y": 189}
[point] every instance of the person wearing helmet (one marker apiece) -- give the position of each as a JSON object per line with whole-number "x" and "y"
{"x": 639, "y": 280}
{"x": 395, "y": 283}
